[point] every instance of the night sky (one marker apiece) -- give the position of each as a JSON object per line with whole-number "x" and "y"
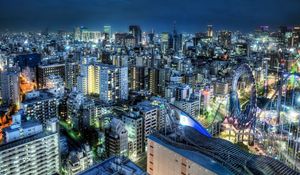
{"x": 190, "y": 15}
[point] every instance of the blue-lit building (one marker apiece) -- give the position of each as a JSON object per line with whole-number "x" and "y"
{"x": 187, "y": 148}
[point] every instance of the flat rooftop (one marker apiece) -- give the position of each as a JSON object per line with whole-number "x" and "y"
{"x": 116, "y": 166}
{"x": 196, "y": 157}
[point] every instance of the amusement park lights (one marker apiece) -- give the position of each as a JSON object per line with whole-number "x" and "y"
{"x": 293, "y": 115}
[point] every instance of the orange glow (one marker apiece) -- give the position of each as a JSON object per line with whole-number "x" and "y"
{"x": 6, "y": 120}
{"x": 26, "y": 85}
{"x": 205, "y": 93}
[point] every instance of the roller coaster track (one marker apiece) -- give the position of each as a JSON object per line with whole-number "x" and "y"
{"x": 278, "y": 93}
{"x": 242, "y": 119}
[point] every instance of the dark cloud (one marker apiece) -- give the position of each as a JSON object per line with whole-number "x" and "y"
{"x": 191, "y": 15}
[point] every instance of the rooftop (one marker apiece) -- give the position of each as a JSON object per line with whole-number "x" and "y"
{"x": 196, "y": 157}
{"x": 219, "y": 155}
{"x": 116, "y": 166}
{"x": 15, "y": 143}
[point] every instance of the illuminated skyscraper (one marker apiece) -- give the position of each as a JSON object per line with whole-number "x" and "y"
{"x": 109, "y": 82}
{"x": 137, "y": 81}
{"x": 71, "y": 72}
{"x": 85, "y": 35}
{"x": 210, "y": 31}
{"x": 153, "y": 80}
{"x": 107, "y": 29}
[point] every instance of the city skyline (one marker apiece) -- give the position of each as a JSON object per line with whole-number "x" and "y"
{"x": 150, "y": 87}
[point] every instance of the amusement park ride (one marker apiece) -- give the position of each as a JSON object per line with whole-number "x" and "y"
{"x": 184, "y": 132}
{"x": 243, "y": 119}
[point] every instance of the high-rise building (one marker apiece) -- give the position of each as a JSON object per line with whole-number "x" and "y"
{"x": 137, "y": 78}
{"x": 80, "y": 160}
{"x": 77, "y": 34}
{"x": 190, "y": 106}
{"x": 178, "y": 92}
{"x": 81, "y": 111}
{"x": 134, "y": 125}
{"x": 166, "y": 41}
{"x": 224, "y": 39}
{"x": 40, "y": 105}
{"x": 164, "y": 79}
{"x": 136, "y": 31}
{"x": 159, "y": 104}
{"x": 71, "y": 73}
{"x": 295, "y": 42}
{"x": 116, "y": 139}
{"x": 221, "y": 88}
{"x": 210, "y": 31}
{"x": 10, "y": 90}
{"x": 149, "y": 113}
{"x": 153, "y": 80}
{"x": 29, "y": 149}
{"x": 119, "y": 60}
{"x": 107, "y": 30}
{"x": 109, "y": 82}
{"x": 44, "y": 71}
{"x": 85, "y": 35}
{"x": 90, "y": 36}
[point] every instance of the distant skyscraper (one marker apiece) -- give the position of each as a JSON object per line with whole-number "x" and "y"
{"x": 107, "y": 30}
{"x": 177, "y": 39}
{"x": 224, "y": 39}
{"x": 85, "y": 35}
{"x": 77, "y": 34}
{"x": 10, "y": 90}
{"x": 296, "y": 37}
{"x": 210, "y": 31}
{"x": 136, "y": 31}
{"x": 166, "y": 41}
